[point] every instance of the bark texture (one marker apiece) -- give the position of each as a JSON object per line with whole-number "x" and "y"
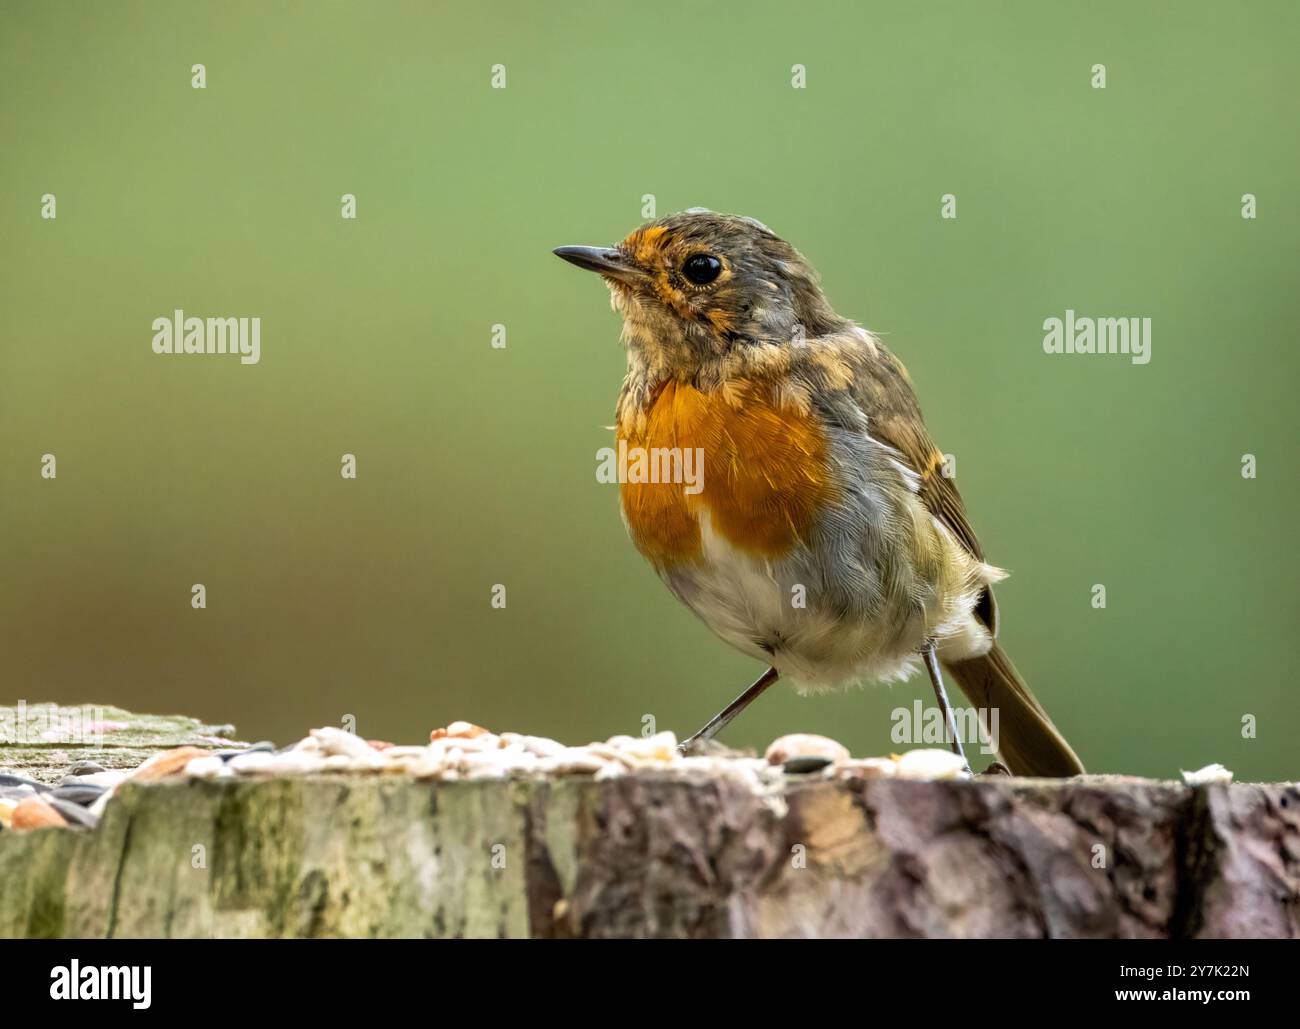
{"x": 657, "y": 854}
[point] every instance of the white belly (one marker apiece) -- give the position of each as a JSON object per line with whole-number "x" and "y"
{"x": 769, "y": 610}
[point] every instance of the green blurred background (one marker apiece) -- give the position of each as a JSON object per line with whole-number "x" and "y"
{"x": 329, "y": 597}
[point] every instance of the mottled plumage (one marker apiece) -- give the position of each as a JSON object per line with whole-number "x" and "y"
{"x": 825, "y": 540}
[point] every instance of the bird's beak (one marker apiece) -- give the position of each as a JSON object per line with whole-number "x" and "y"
{"x": 609, "y": 262}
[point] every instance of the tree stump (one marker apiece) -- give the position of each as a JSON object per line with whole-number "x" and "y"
{"x": 660, "y": 854}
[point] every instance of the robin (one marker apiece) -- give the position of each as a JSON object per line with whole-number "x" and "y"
{"x": 823, "y": 536}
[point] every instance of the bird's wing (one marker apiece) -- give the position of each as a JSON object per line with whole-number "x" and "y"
{"x": 884, "y": 393}
{"x": 880, "y": 390}
{"x": 883, "y": 390}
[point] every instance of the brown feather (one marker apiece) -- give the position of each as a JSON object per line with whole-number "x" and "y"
{"x": 895, "y": 420}
{"x": 1027, "y": 740}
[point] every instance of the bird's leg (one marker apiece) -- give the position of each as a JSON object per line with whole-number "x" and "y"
{"x": 936, "y": 680}
{"x": 720, "y": 721}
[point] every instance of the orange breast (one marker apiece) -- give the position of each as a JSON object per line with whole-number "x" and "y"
{"x": 764, "y": 472}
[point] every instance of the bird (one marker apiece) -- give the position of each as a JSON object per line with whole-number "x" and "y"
{"x": 824, "y": 536}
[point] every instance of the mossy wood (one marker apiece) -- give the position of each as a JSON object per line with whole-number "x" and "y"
{"x": 658, "y": 854}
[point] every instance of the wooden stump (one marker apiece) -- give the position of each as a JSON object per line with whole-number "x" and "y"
{"x": 661, "y": 854}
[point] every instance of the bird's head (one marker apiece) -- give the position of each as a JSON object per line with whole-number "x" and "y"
{"x": 693, "y": 286}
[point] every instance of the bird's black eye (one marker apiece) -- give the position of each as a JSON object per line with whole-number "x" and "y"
{"x": 702, "y": 269}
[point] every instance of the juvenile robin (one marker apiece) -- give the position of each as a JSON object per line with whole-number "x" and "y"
{"x": 823, "y": 537}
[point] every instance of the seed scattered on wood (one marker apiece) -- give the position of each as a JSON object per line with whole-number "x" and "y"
{"x": 801, "y": 744}
{"x": 1208, "y": 776}
{"x": 73, "y": 814}
{"x": 467, "y": 730}
{"x": 35, "y": 813}
{"x": 168, "y": 763}
{"x": 207, "y": 767}
{"x": 338, "y": 741}
{"x": 462, "y": 750}
{"x": 931, "y": 764}
{"x": 867, "y": 768}
{"x": 805, "y": 765}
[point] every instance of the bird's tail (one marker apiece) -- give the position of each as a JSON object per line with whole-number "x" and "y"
{"x": 1026, "y": 738}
